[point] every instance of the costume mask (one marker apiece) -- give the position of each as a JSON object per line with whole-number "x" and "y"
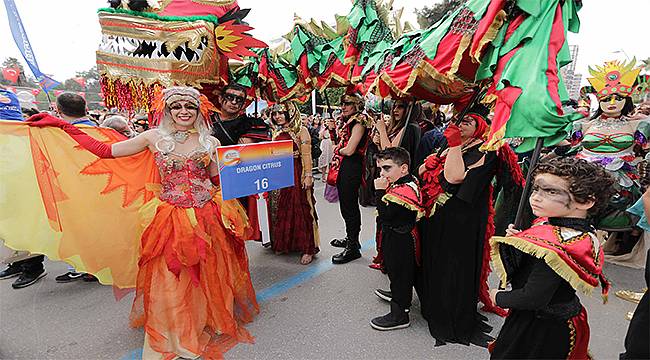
{"x": 170, "y": 42}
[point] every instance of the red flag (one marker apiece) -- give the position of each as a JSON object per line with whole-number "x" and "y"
{"x": 81, "y": 81}
{"x": 11, "y": 74}
{"x": 58, "y": 92}
{"x": 35, "y": 92}
{"x": 82, "y": 94}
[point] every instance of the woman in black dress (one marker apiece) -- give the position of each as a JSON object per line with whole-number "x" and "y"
{"x": 457, "y": 190}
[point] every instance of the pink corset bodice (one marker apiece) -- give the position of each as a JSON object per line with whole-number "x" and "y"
{"x": 185, "y": 180}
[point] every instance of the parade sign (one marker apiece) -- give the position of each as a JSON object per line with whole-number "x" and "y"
{"x": 248, "y": 169}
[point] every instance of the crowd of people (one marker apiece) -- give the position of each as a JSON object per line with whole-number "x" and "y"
{"x": 435, "y": 187}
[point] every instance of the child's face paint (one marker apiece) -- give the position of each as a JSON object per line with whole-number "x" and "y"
{"x": 390, "y": 170}
{"x": 550, "y": 197}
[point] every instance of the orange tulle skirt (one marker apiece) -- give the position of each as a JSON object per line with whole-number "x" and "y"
{"x": 193, "y": 291}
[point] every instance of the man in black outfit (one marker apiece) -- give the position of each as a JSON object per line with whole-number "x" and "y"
{"x": 232, "y": 126}
{"x": 351, "y": 142}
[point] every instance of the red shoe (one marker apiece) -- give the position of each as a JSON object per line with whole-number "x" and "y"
{"x": 376, "y": 266}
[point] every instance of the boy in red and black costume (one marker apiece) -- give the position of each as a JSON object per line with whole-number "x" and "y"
{"x": 399, "y": 206}
{"x": 546, "y": 264}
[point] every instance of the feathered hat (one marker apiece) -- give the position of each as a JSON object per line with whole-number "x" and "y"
{"x": 614, "y": 77}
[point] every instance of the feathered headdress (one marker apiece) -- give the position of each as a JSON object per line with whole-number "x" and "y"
{"x": 614, "y": 77}
{"x": 176, "y": 93}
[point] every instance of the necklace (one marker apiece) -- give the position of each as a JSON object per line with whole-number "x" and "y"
{"x": 180, "y": 136}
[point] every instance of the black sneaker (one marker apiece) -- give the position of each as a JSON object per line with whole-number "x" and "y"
{"x": 384, "y": 295}
{"x": 27, "y": 279}
{"x": 11, "y": 271}
{"x": 89, "y": 278}
{"x": 339, "y": 243}
{"x": 69, "y": 277}
{"x": 395, "y": 319}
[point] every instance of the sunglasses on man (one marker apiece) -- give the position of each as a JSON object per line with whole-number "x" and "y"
{"x": 235, "y": 99}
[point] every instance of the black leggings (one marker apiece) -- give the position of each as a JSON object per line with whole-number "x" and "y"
{"x": 347, "y": 184}
{"x": 399, "y": 260}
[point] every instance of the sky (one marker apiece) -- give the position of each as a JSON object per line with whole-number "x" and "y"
{"x": 65, "y": 33}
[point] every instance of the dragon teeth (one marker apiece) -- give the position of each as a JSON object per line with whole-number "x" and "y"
{"x": 152, "y": 49}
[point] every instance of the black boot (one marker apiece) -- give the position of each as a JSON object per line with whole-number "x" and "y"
{"x": 397, "y": 318}
{"x": 351, "y": 252}
{"x": 340, "y": 243}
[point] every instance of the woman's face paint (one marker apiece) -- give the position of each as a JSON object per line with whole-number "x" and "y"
{"x": 467, "y": 127}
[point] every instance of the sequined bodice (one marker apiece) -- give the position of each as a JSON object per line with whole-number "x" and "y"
{"x": 185, "y": 179}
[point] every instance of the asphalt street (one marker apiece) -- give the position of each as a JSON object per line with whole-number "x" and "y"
{"x": 319, "y": 311}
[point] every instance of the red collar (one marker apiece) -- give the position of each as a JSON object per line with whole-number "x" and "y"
{"x": 574, "y": 255}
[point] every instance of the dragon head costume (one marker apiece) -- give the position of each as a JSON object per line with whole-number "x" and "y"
{"x": 148, "y": 45}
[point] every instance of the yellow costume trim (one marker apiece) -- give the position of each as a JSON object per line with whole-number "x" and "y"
{"x": 396, "y": 200}
{"x": 550, "y": 257}
{"x": 312, "y": 210}
{"x": 298, "y": 91}
{"x": 331, "y": 77}
{"x": 495, "y": 141}
{"x": 490, "y": 35}
{"x": 465, "y": 42}
{"x": 453, "y": 86}
{"x": 572, "y": 335}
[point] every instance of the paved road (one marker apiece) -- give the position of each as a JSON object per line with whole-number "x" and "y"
{"x": 319, "y": 311}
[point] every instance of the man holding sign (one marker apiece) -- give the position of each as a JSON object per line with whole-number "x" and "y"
{"x": 231, "y": 126}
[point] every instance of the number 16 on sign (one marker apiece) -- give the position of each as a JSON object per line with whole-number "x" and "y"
{"x": 262, "y": 184}
{"x": 249, "y": 169}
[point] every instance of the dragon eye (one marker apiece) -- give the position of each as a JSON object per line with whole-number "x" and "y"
{"x": 612, "y": 76}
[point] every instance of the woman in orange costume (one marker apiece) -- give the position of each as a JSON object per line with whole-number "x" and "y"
{"x": 193, "y": 288}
